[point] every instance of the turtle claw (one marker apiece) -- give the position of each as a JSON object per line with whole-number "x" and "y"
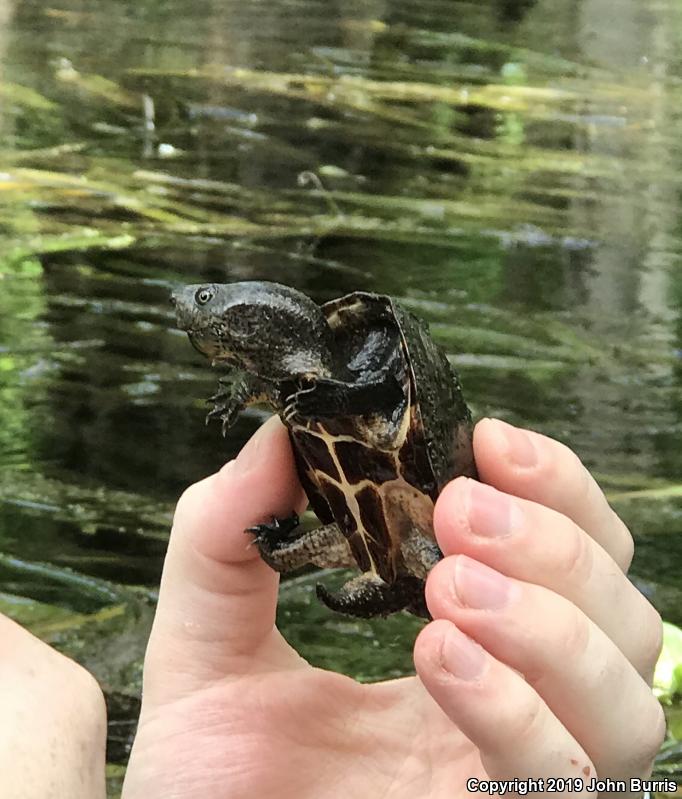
{"x": 227, "y": 402}
{"x": 227, "y": 414}
{"x": 303, "y": 404}
{"x": 325, "y": 398}
{"x": 291, "y": 410}
{"x": 270, "y": 535}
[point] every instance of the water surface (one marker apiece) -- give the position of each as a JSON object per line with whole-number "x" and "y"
{"x": 509, "y": 170}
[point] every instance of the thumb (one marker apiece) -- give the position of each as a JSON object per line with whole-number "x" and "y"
{"x": 217, "y": 601}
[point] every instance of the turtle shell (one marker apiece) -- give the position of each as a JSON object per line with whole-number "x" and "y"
{"x": 444, "y": 416}
{"x": 440, "y": 414}
{"x": 378, "y": 475}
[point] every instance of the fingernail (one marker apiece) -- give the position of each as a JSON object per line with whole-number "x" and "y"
{"x": 253, "y": 452}
{"x": 491, "y": 513}
{"x": 461, "y": 656}
{"x": 478, "y": 586}
{"x": 520, "y": 447}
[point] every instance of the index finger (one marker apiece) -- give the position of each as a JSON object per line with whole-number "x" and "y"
{"x": 535, "y": 467}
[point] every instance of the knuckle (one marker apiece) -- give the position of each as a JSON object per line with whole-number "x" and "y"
{"x": 574, "y": 634}
{"x": 528, "y": 721}
{"x": 578, "y": 560}
{"x": 88, "y": 685}
{"x": 658, "y": 731}
{"x": 569, "y": 465}
{"x": 652, "y": 637}
{"x": 626, "y": 545}
{"x": 584, "y": 487}
{"x": 85, "y": 690}
{"x": 564, "y": 468}
{"x": 192, "y": 497}
{"x": 571, "y": 638}
{"x": 187, "y": 498}
{"x": 647, "y": 744}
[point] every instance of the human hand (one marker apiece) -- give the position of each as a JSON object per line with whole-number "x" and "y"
{"x": 231, "y": 710}
{"x": 53, "y": 722}
{"x": 554, "y": 646}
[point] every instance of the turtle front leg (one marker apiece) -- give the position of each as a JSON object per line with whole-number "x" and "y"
{"x": 325, "y": 546}
{"x": 235, "y": 395}
{"x": 327, "y": 398}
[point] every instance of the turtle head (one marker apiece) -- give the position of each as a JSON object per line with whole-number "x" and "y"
{"x": 266, "y": 329}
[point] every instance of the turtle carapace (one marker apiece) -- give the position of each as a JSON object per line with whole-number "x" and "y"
{"x": 376, "y": 418}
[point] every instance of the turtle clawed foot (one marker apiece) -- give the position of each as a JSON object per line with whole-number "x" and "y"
{"x": 227, "y": 415}
{"x": 270, "y": 535}
{"x": 368, "y": 596}
{"x": 324, "y": 398}
{"x": 305, "y": 403}
{"x": 227, "y": 402}
{"x": 291, "y": 411}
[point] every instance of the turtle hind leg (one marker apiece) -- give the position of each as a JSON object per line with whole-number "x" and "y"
{"x": 368, "y": 596}
{"x": 276, "y": 532}
{"x": 420, "y": 552}
{"x": 324, "y": 546}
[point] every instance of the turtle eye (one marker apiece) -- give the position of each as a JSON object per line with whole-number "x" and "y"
{"x": 203, "y": 295}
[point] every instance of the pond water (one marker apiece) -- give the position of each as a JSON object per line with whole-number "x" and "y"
{"x": 509, "y": 169}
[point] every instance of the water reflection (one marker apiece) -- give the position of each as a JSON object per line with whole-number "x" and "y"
{"x": 508, "y": 169}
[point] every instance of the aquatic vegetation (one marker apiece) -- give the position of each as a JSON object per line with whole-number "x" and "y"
{"x": 512, "y": 184}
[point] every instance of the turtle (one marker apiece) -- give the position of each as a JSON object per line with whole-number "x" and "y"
{"x": 376, "y": 418}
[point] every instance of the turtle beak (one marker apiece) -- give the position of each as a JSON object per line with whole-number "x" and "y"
{"x": 183, "y": 315}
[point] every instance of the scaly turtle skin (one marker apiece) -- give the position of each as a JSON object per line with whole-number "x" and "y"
{"x": 376, "y": 418}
